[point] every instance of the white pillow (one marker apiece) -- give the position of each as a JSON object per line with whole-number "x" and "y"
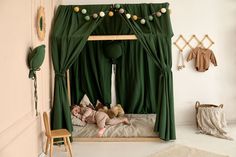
{"x": 76, "y": 121}
{"x": 85, "y": 102}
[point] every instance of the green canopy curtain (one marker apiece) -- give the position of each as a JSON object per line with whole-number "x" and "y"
{"x": 155, "y": 37}
{"x": 136, "y": 77}
{"x": 91, "y": 75}
{"x": 136, "y": 80}
{"x": 69, "y": 35}
{"x": 91, "y": 72}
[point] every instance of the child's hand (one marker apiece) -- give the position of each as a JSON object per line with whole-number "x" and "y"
{"x": 79, "y": 116}
{"x": 83, "y": 119}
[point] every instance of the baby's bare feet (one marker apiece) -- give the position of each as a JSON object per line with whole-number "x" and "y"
{"x": 126, "y": 121}
{"x": 101, "y": 132}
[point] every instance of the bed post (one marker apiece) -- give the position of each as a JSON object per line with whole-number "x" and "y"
{"x": 68, "y": 85}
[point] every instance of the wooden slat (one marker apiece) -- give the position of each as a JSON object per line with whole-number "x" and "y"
{"x": 68, "y": 85}
{"x": 111, "y": 37}
{"x": 117, "y": 139}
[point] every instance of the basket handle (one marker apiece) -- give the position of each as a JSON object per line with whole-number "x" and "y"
{"x": 221, "y": 105}
{"x": 197, "y": 104}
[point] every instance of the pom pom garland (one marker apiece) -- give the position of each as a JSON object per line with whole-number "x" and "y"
{"x": 135, "y": 17}
{"x": 150, "y": 17}
{"x": 87, "y": 18}
{"x": 110, "y": 13}
{"x": 101, "y": 14}
{"x": 84, "y": 11}
{"x": 163, "y": 10}
{"x": 142, "y": 21}
{"x": 95, "y": 15}
{"x": 158, "y": 14}
{"x": 128, "y": 16}
{"x": 76, "y": 9}
{"x": 117, "y": 6}
{"x": 121, "y": 10}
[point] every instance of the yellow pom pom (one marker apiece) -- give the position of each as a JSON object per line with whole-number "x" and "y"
{"x": 110, "y": 13}
{"x": 135, "y": 17}
{"x": 76, "y": 9}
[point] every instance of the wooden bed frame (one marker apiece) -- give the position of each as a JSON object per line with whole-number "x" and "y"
{"x": 117, "y": 139}
{"x": 109, "y": 139}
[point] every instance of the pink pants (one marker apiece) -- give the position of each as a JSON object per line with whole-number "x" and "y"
{"x": 102, "y": 119}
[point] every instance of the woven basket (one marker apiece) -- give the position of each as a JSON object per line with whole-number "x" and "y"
{"x": 198, "y": 105}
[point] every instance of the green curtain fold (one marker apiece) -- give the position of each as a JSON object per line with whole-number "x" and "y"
{"x": 91, "y": 75}
{"x": 157, "y": 44}
{"x": 69, "y": 36}
{"x": 136, "y": 80}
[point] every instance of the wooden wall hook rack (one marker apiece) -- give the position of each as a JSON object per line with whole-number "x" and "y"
{"x": 189, "y": 43}
{"x": 193, "y": 38}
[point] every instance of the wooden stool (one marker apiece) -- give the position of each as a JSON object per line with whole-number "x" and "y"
{"x": 52, "y": 134}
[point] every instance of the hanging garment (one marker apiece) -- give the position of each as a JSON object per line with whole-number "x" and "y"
{"x": 202, "y": 57}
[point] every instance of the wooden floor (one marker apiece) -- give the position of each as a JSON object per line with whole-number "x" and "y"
{"x": 186, "y": 135}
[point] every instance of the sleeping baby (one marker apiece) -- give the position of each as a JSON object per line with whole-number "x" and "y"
{"x": 89, "y": 115}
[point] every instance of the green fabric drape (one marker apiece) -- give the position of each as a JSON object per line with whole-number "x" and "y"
{"x": 136, "y": 77}
{"x": 70, "y": 33}
{"x": 91, "y": 75}
{"x": 156, "y": 40}
{"x": 136, "y": 80}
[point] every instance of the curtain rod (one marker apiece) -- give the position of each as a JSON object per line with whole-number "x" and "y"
{"x": 111, "y": 37}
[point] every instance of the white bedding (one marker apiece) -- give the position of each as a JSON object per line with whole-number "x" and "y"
{"x": 141, "y": 125}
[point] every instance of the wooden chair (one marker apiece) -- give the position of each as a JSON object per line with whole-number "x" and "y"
{"x": 52, "y": 134}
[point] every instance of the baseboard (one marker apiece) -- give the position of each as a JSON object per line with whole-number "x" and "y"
{"x": 11, "y": 133}
{"x": 42, "y": 154}
{"x": 231, "y": 122}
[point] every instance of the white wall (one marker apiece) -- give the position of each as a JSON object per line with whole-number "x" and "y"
{"x": 200, "y": 17}
{"x": 21, "y": 132}
{"x": 217, "y": 85}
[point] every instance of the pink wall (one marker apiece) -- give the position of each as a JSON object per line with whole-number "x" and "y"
{"x": 21, "y": 131}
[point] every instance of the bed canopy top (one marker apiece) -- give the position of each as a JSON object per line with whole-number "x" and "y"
{"x": 150, "y": 24}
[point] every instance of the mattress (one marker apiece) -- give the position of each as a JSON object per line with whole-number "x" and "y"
{"x": 141, "y": 125}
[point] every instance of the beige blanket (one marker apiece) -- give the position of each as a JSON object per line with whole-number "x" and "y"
{"x": 211, "y": 121}
{"x": 141, "y": 125}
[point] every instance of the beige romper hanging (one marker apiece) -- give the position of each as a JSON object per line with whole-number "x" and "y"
{"x": 203, "y": 57}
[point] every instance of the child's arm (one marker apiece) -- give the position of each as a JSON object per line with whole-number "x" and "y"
{"x": 79, "y": 116}
{"x": 86, "y": 114}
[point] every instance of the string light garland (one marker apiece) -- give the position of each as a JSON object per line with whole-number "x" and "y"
{"x": 118, "y": 8}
